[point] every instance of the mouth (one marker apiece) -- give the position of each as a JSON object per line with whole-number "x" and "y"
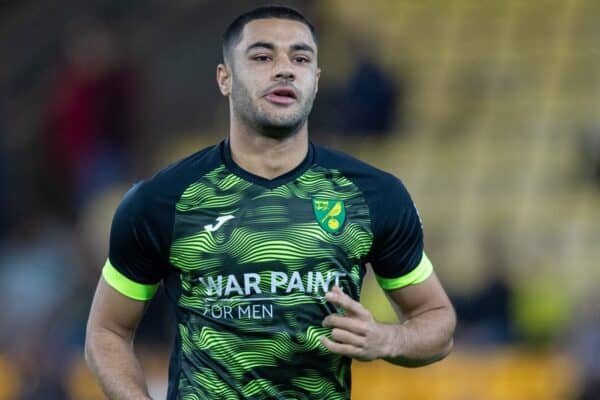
{"x": 282, "y": 96}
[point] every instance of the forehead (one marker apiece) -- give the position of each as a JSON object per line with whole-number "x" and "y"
{"x": 280, "y": 32}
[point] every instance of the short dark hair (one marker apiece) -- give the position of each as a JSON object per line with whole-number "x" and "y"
{"x": 234, "y": 30}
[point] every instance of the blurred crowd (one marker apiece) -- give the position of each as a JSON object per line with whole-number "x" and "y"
{"x": 90, "y": 145}
{"x": 51, "y": 249}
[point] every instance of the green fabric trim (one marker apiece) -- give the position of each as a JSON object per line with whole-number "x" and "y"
{"x": 126, "y": 286}
{"x": 417, "y": 275}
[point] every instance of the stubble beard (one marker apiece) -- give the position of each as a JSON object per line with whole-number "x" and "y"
{"x": 265, "y": 123}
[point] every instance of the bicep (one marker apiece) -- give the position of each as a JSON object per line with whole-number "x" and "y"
{"x": 114, "y": 312}
{"x": 416, "y": 299}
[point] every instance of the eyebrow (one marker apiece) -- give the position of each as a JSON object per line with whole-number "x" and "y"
{"x": 271, "y": 46}
{"x": 302, "y": 47}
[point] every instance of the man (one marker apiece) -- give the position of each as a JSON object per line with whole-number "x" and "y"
{"x": 261, "y": 243}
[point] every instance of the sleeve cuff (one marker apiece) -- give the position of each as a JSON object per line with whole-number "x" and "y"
{"x": 417, "y": 275}
{"x": 125, "y": 286}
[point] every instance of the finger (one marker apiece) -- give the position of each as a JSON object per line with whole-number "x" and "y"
{"x": 341, "y": 299}
{"x": 338, "y": 289}
{"x": 353, "y": 325}
{"x": 340, "y": 348}
{"x": 346, "y": 337}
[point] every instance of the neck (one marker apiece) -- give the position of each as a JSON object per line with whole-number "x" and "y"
{"x": 265, "y": 156}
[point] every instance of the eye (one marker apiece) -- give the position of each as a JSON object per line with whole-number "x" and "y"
{"x": 302, "y": 59}
{"x": 261, "y": 58}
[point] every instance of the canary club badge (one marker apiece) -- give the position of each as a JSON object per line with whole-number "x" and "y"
{"x": 330, "y": 214}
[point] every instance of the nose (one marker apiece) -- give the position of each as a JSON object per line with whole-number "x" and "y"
{"x": 283, "y": 69}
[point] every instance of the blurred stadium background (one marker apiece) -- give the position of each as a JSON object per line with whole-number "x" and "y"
{"x": 488, "y": 111}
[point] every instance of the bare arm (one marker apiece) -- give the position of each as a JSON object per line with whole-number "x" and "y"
{"x": 426, "y": 334}
{"x": 423, "y": 338}
{"x": 109, "y": 344}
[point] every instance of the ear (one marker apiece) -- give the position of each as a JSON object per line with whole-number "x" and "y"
{"x": 224, "y": 79}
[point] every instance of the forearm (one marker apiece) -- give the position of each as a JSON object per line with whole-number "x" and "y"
{"x": 423, "y": 339}
{"x": 113, "y": 362}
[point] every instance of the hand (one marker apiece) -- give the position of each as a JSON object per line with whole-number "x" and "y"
{"x": 357, "y": 334}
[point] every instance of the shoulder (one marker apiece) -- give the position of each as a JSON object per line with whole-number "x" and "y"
{"x": 151, "y": 196}
{"x": 176, "y": 176}
{"x": 374, "y": 182}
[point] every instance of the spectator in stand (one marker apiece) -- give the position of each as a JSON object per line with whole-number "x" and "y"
{"x": 590, "y": 153}
{"x": 371, "y": 96}
{"x": 486, "y": 315}
{"x": 585, "y": 344}
{"x": 38, "y": 272}
{"x": 371, "y": 101}
{"x": 90, "y": 120}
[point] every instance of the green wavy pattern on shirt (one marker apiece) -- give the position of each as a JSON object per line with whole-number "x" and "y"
{"x": 318, "y": 386}
{"x": 242, "y": 355}
{"x": 203, "y": 194}
{"x": 274, "y": 230}
{"x": 298, "y": 242}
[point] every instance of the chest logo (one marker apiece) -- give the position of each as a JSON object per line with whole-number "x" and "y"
{"x": 220, "y": 221}
{"x": 330, "y": 214}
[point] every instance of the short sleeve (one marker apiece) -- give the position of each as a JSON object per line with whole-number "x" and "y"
{"x": 136, "y": 262}
{"x": 397, "y": 254}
